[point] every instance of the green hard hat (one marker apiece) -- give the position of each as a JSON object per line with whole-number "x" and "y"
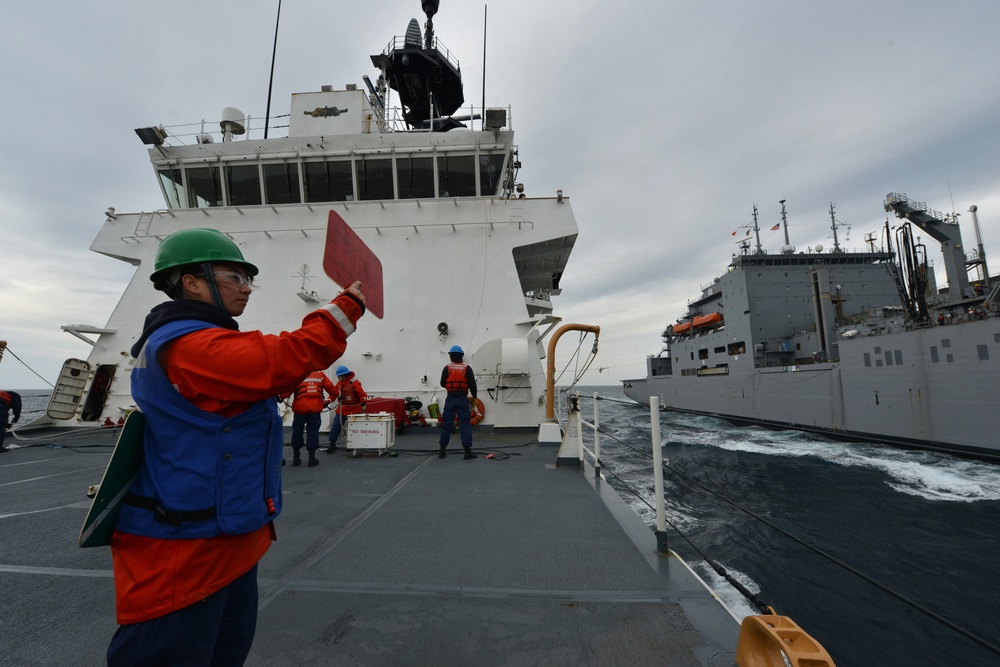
{"x": 196, "y": 246}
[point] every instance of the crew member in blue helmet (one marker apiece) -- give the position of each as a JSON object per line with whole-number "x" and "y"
{"x": 199, "y": 515}
{"x": 351, "y": 399}
{"x": 459, "y": 381}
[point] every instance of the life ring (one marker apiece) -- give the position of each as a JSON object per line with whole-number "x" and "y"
{"x": 476, "y": 411}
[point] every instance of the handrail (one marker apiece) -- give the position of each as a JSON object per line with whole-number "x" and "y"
{"x": 596, "y": 427}
{"x": 550, "y": 365}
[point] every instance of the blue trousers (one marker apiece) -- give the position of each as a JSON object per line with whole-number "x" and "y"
{"x": 309, "y": 423}
{"x": 217, "y": 631}
{"x": 336, "y": 426}
{"x": 456, "y": 405}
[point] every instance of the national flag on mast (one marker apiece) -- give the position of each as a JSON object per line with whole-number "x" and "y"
{"x": 776, "y": 227}
{"x": 734, "y": 233}
{"x": 748, "y": 232}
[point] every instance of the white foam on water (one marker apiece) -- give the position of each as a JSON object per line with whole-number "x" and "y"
{"x": 929, "y": 475}
{"x": 731, "y": 597}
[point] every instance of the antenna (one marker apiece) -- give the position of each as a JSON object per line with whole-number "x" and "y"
{"x": 430, "y": 8}
{"x": 270, "y": 82}
{"x": 483, "y": 107}
{"x": 756, "y": 230}
{"x": 784, "y": 223}
{"x": 233, "y": 122}
{"x": 833, "y": 225}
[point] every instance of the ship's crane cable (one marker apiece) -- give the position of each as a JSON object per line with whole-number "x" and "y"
{"x": 914, "y": 605}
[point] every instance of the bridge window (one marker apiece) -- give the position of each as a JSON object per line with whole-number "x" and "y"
{"x": 173, "y": 187}
{"x": 329, "y": 181}
{"x": 281, "y": 183}
{"x": 243, "y": 184}
{"x": 204, "y": 187}
{"x": 490, "y": 173}
{"x": 415, "y": 176}
{"x": 456, "y": 175}
{"x": 737, "y": 348}
{"x": 375, "y": 179}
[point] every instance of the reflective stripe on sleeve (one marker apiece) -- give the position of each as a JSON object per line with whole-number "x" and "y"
{"x": 340, "y": 317}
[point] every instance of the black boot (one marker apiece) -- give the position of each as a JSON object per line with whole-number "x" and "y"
{"x": 469, "y": 454}
{"x": 331, "y": 449}
{"x": 312, "y": 459}
{"x": 296, "y": 459}
{"x": 441, "y": 453}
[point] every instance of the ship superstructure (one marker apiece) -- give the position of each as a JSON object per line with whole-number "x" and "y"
{"x": 468, "y": 259}
{"x": 858, "y": 344}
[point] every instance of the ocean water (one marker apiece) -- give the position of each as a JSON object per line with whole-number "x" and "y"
{"x": 33, "y": 402}
{"x": 925, "y": 526}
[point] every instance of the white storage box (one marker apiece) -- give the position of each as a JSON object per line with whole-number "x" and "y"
{"x": 371, "y": 431}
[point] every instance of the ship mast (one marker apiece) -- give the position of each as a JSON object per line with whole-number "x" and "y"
{"x": 833, "y": 226}
{"x": 756, "y": 230}
{"x": 784, "y": 224}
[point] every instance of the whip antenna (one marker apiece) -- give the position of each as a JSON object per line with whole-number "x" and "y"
{"x": 483, "y": 107}
{"x": 270, "y": 82}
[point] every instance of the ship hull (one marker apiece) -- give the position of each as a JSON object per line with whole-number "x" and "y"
{"x": 943, "y": 396}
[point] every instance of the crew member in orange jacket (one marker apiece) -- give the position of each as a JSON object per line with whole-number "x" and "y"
{"x": 186, "y": 583}
{"x": 9, "y": 401}
{"x": 307, "y": 407}
{"x": 352, "y": 399}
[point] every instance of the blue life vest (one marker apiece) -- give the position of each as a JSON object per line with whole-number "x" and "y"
{"x": 203, "y": 474}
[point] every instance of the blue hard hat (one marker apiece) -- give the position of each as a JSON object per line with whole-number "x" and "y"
{"x": 342, "y": 370}
{"x": 455, "y": 349}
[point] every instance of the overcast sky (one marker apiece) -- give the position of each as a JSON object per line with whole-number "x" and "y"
{"x": 663, "y": 121}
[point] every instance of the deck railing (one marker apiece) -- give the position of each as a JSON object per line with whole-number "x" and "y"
{"x": 595, "y": 453}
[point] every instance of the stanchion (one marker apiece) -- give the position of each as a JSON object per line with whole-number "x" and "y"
{"x": 661, "y": 519}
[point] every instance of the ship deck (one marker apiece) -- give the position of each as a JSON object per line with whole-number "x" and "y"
{"x": 399, "y": 559}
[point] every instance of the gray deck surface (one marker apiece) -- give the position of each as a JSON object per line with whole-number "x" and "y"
{"x": 398, "y": 560}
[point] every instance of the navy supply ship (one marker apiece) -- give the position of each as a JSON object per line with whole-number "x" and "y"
{"x": 430, "y": 185}
{"x": 860, "y": 345}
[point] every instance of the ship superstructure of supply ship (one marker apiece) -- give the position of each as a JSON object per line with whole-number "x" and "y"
{"x": 853, "y": 344}
{"x": 431, "y": 187}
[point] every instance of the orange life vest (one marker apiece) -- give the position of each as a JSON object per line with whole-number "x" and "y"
{"x": 309, "y": 397}
{"x": 352, "y": 395}
{"x": 456, "y": 379}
